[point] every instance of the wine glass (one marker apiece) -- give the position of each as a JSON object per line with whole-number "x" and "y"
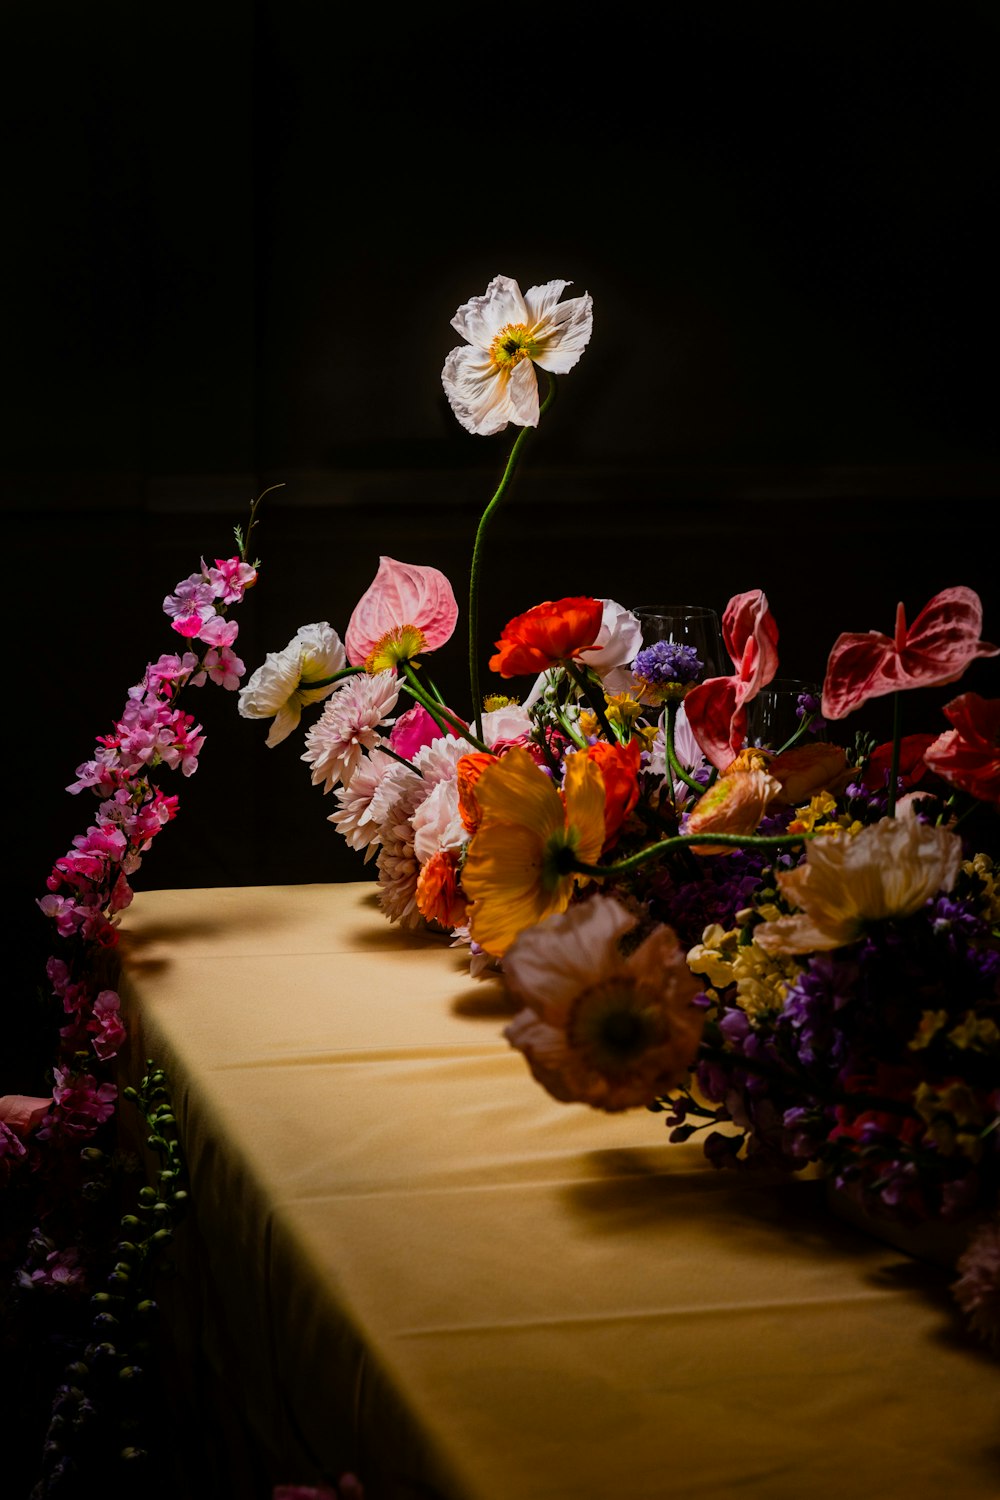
{"x": 687, "y": 625}
{"x": 773, "y": 716}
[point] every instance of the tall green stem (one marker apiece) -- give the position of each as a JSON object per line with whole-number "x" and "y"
{"x": 477, "y": 555}
{"x": 897, "y": 736}
{"x": 670, "y": 719}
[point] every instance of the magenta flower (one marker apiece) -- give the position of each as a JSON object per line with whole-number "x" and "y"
{"x": 407, "y": 610}
{"x": 937, "y": 648}
{"x": 716, "y": 709}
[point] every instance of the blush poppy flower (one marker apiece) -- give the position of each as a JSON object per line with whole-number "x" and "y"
{"x": 407, "y": 610}
{"x": 937, "y": 648}
{"x": 546, "y": 635}
{"x": 716, "y": 709}
{"x": 490, "y": 380}
{"x": 968, "y": 755}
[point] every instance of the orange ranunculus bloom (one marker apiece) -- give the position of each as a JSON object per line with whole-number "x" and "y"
{"x": 467, "y": 773}
{"x": 546, "y": 635}
{"x": 968, "y": 756}
{"x": 619, "y": 768}
{"x": 807, "y": 769}
{"x": 439, "y": 897}
{"x": 735, "y": 804}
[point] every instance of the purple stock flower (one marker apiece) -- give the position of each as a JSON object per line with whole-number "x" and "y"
{"x": 667, "y": 661}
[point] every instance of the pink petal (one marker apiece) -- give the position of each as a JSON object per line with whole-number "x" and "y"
{"x": 716, "y": 719}
{"x": 402, "y": 594}
{"x": 944, "y": 639}
{"x": 860, "y": 666}
{"x": 751, "y": 638}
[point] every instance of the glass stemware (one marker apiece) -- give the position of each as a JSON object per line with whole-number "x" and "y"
{"x": 774, "y": 717}
{"x": 687, "y": 625}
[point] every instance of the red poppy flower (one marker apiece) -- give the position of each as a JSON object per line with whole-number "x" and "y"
{"x": 716, "y": 709}
{"x": 936, "y": 648}
{"x": 546, "y": 635}
{"x": 968, "y": 756}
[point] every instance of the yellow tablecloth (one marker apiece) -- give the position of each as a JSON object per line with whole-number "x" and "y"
{"x": 414, "y": 1263}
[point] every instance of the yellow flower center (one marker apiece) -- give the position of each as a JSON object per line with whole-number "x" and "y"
{"x": 400, "y": 644}
{"x": 512, "y": 344}
{"x": 494, "y": 701}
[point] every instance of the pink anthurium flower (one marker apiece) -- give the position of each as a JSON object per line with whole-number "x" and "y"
{"x": 407, "y": 610}
{"x": 716, "y": 709}
{"x": 935, "y": 649}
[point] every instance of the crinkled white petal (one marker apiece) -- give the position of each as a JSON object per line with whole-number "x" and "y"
{"x": 619, "y": 639}
{"x": 314, "y": 652}
{"x": 481, "y": 318}
{"x": 478, "y": 393}
{"x": 522, "y": 394}
{"x": 564, "y": 334}
{"x": 539, "y": 300}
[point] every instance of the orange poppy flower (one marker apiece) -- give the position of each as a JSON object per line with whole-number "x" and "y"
{"x": 546, "y": 635}
{"x": 619, "y": 768}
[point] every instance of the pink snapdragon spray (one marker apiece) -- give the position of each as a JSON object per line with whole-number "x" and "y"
{"x": 89, "y": 885}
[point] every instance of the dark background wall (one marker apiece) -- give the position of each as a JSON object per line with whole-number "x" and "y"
{"x": 235, "y": 236}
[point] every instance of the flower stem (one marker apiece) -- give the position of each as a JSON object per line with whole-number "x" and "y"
{"x": 593, "y": 697}
{"x": 477, "y": 554}
{"x": 443, "y": 717}
{"x": 897, "y": 734}
{"x": 687, "y": 841}
{"x": 669, "y": 721}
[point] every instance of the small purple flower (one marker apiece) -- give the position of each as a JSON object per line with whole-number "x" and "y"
{"x": 667, "y": 661}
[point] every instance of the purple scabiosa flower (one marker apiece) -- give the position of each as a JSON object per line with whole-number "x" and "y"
{"x": 667, "y": 662}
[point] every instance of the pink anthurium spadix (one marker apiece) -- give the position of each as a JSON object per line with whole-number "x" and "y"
{"x": 716, "y": 709}
{"x": 935, "y": 649}
{"x": 407, "y": 610}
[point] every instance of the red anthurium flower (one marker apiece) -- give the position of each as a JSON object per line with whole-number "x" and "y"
{"x": 936, "y": 648}
{"x": 968, "y": 756}
{"x": 716, "y": 709}
{"x": 546, "y": 635}
{"x": 407, "y": 610}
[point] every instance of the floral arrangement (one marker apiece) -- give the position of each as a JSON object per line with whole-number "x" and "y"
{"x": 790, "y": 946}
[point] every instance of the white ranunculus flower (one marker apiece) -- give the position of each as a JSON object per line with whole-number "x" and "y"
{"x": 491, "y": 380}
{"x": 273, "y": 691}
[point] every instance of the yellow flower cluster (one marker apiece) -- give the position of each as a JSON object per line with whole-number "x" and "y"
{"x": 973, "y": 1033}
{"x": 982, "y": 866}
{"x": 954, "y": 1117}
{"x": 821, "y": 816}
{"x": 761, "y": 979}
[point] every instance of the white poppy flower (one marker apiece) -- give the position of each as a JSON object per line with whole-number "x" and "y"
{"x": 273, "y": 691}
{"x": 491, "y": 380}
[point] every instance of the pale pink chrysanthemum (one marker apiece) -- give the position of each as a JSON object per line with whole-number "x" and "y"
{"x": 398, "y": 866}
{"x": 348, "y": 725}
{"x": 353, "y": 818}
{"x": 977, "y": 1290}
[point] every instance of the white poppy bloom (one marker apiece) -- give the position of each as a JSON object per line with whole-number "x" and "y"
{"x": 273, "y": 691}
{"x": 491, "y": 380}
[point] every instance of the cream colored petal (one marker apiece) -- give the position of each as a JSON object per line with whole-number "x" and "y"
{"x": 540, "y": 300}
{"x": 285, "y": 720}
{"x": 552, "y": 963}
{"x": 481, "y": 318}
{"x": 803, "y": 934}
{"x": 477, "y": 392}
{"x": 564, "y": 334}
{"x": 522, "y": 394}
